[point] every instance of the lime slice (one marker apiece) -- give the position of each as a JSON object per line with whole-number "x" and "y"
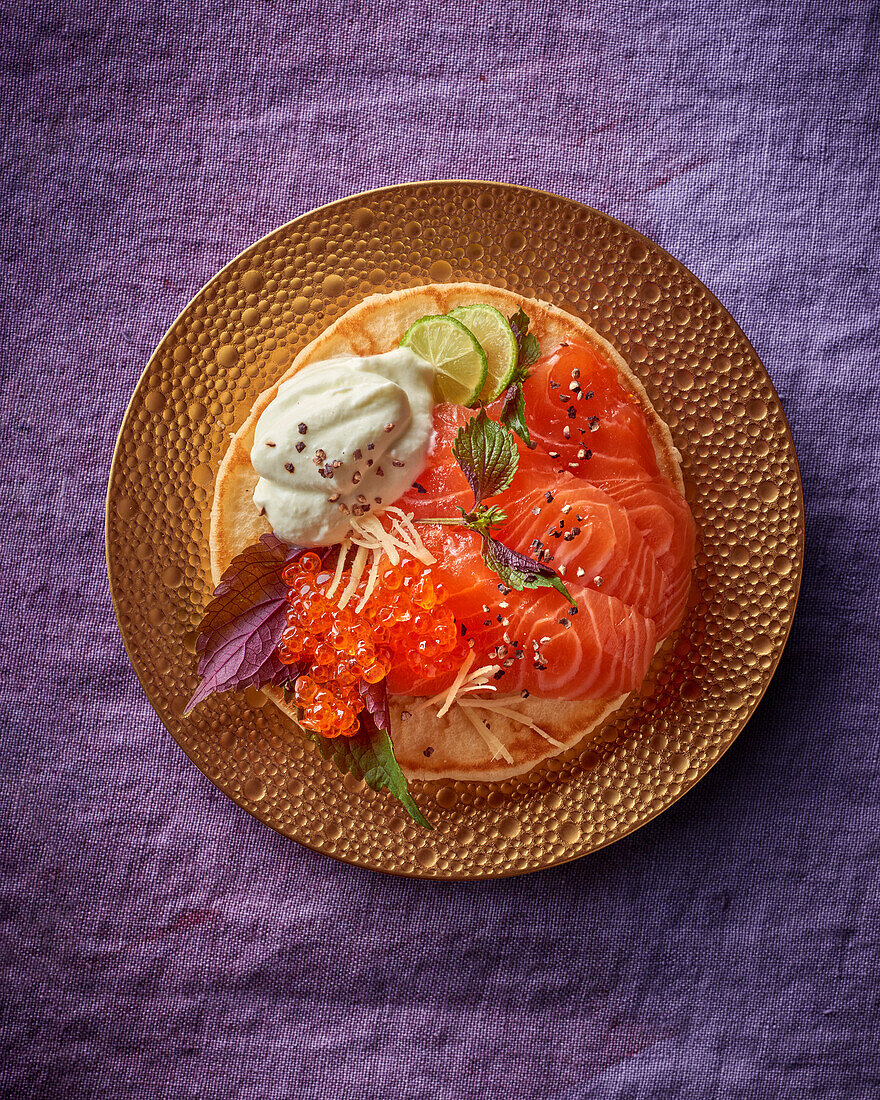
{"x": 455, "y": 354}
{"x": 497, "y": 341}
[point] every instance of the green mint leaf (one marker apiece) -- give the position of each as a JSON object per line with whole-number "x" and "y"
{"x": 487, "y": 455}
{"x": 518, "y": 571}
{"x": 513, "y": 413}
{"x": 526, "y": 341}
{"x": 488, "y": 516}
{"x": 370, "y": 756}
{"x": 529, "y": 351}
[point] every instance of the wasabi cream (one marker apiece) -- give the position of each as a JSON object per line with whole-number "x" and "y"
{"x": 342, "y": 438}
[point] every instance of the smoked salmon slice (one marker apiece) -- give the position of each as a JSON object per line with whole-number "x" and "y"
{"x": 662, "y": 515}
{"x": 588, "y": 499}
{"x": 588, "y": 537}
{"x": 552, "y": 517}
{"x": 578, "y": 412}
{"x": 602, "y": 648}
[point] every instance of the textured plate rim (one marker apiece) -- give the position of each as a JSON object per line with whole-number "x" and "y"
{"x": 748, "y": 711}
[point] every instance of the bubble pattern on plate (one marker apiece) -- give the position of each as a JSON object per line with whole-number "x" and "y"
{"x": 240, "y": 333}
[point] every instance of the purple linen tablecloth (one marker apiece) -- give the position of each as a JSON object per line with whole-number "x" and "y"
{"x": 155, "y": 940}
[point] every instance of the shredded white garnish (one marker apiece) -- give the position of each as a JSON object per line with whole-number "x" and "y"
{"x": 502, "y": 707}
{"x": 402, "y": 526}
{"x": 464, "y": 683}
{"x": 460, "y": 678}
{"x": 344, "y": 548}
{"x": 357, "y": 571}
{"x": 492, "y": 742}
{"x": 372, "y": 580}
{"x": 400, "y": 534}
{"x": 370, "y": 533}
{"x": 370, "y": 536}
{"x": 465, "y": 689}
{"x": 460, "y": 693}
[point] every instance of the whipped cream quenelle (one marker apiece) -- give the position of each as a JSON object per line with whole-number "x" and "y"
{"x": 342, "y": 438}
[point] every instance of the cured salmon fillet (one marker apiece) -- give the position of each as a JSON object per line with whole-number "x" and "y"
{"x": 578, "y": 412}
{"x": 662, "y": 515}
{"x": 601, "y": 648}
{"x": 587, "y": 536}
{"x": 588, "y": 500}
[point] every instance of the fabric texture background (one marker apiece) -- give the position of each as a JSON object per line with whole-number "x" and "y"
{"x": 155, "y": 940}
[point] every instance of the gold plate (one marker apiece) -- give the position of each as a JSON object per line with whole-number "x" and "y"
{"x": 238, "y": 335}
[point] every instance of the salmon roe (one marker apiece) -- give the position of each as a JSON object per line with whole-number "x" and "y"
{"x": 403, "y": 621}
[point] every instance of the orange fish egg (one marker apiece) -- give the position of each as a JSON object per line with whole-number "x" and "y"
{"x": 401, "y": 626}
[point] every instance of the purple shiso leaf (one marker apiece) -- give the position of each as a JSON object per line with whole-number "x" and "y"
{"x": 243, "y": 622}
{"x": 375, "y": 698}
{"x": 513, "y": 559}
